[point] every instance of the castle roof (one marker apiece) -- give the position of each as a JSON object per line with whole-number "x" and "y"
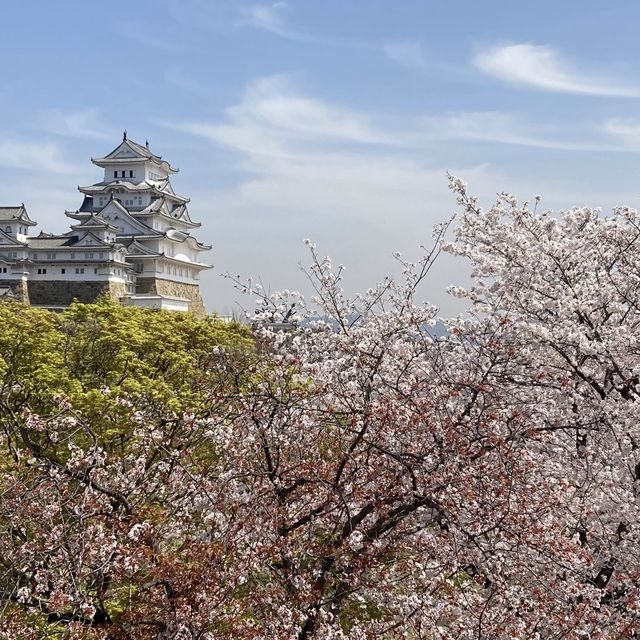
{"x": 94, "y": 221}
{"x": 128, "y": 152}
{"x": 48, "y": 241}
{"x": 159, "y": 187}
{"x": 161, "y": 206}
{"x": 181, "y": 236}
{"x": 7, "y": 240}
{"x": 137, "y": 249}
{"x": 9, "y": 214}
{"x": 69, "y": 240}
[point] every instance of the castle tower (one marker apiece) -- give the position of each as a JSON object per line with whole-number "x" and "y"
{"x": 131, "y": 240}
{"x": 151, "y": 222}
{"x": 14, "y": 252}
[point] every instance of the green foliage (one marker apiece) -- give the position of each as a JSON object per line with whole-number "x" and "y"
{"x": 98, "y": 355}
{"x": 31, "y": 358}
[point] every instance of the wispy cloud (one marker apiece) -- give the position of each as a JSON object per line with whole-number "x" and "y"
{"x": 270, "y": 18}
{"x": 275, "y": 119}
{"x": 272, "y": 119}
{"x": 541, "y": 67}
{"x": 33, "y": 156}
{"x": 310, "y": 168}
{"x": 274, "y": 18}
{"x": 358, "y": 183}
{"x": 139, "y": 33}
{"x": 83, "y": 123}
{"x": 505, "y": 128}
{"x": 408, "y": 53}
{"x": 625, "y": 130}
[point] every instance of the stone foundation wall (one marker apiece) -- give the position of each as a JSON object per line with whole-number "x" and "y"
{"x": 19, "y": 288}
{"x": 117, "y": 290}
{"x": 177, "y": 289}
{"x": 61, "y": 293}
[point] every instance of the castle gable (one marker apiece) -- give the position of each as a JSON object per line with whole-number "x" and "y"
{"x": 135, "y": 248}
{"x": 89, "y": 240}
{"x": 129, "y": 151}
{"x": 7, "y": 240}
{"x": 11, "y": 214}
{"x": 116, "y": 215}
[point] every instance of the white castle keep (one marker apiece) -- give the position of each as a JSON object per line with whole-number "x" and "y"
{"x": 130, "y": 240}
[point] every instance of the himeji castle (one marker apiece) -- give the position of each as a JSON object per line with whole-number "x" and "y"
{"x": 130, "y": 240}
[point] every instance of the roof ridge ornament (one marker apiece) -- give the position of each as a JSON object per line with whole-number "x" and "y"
{"x": 124, "y": 135}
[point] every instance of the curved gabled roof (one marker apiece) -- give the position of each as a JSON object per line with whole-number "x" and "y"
{"x": 181, "y": 236}
{"x": 94, "y": 221}
{"x": 19, "y": 212}
{"x": 158, "y": 187}
{"x": 163, "y": 207}
{"x": 135, "y": 249}
{"x": 7, "y": 240}
{"x": 129, "y": 151}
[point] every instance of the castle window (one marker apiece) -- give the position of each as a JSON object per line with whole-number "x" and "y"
{"x": 95, "y": 270}
{"x": 131, "y": 174}
{"x": 42, "y": 270}
{"x": 115, "y": 174}
{"x": 51, "y": 256}
{"x": 63, "y": 271}
{"x": 4, "y": 269}
{"x": 79, "y": 269}
{"x": 88, "y": 256}
{"x": 7, "y": 229}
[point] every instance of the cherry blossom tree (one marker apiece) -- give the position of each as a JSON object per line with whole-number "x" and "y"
{"x": 357, "y": 475}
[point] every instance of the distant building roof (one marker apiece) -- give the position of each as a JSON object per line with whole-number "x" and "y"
{"x": 68, "y": 241}
{"x": 8, "y": 214}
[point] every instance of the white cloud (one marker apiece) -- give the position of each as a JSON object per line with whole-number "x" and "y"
{"x": 625, "y": 130}
{"x": 271, "y": 18}
{"x": 83, "y": 123}
{"x": 359, "y": 185}
{"x": 33, "y": 156}
{"x": 313, "y": 169}
{"x": 139, "y": 33}
{"x": 541, "y": 67}
{"x": 267, "y": 17}
{"x": 272, "y": 119}
{"x": 505, "y": 128}
{"x": 406, "y": 52}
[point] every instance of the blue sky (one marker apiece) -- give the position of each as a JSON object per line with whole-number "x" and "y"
{"x": 331, "y": 120}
